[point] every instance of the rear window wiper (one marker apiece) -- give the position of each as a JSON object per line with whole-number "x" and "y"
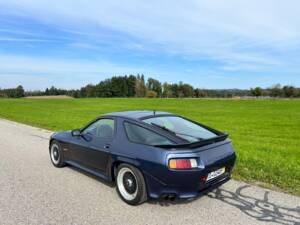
{"x": 176, "y": 133}
{"x": 163, "y": 127}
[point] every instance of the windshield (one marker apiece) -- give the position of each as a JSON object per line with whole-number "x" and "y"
{"x": 181, "y": 127}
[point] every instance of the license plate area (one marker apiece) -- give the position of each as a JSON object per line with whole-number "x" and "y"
{"x": 215, "y": 174}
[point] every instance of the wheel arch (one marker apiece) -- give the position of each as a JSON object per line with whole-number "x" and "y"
{"x": 50, "y": 142}
{"x": 120, "y": 160}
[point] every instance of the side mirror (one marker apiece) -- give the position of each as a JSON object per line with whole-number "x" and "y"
{"x": 76, "y": 132}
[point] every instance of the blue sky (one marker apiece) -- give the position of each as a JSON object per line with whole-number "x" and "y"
{"x": 207, "y": 43}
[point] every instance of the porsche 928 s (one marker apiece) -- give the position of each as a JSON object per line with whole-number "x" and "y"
{"x": 148, "y": 154}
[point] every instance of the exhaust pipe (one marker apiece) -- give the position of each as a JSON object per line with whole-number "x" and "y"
{"x": 172, "y": 197}
{"x": 165, "y": 197}
{"x": 169, "y": 197}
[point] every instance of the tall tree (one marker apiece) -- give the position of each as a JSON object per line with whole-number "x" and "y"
{"x": 185, "y": 90}
{"x": 20, "y": 91}
{"x": 167, "y": 90}
{"x": 131, "y": 80}
{"x": 256, "y": 91}
{"x": 140, "y": 87}
{"x": 154, "y": 85}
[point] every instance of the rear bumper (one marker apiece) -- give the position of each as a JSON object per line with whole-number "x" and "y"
{"x": 188, "y": 183}
{"x": 188, "y": 192}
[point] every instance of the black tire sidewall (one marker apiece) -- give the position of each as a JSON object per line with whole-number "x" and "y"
{"x": 61, "y": 156}
{"x": 142, "y": 190}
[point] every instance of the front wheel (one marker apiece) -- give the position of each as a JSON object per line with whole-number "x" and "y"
{"x": 131, "y": 185}
{"x": 56, "y": 154}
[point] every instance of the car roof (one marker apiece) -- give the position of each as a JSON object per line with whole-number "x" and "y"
{"x": 138, "y": 114}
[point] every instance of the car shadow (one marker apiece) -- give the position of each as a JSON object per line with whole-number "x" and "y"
{"x": 261, "y": 209}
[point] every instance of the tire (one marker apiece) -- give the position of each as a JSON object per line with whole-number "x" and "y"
{"x": 131, "y": 185}
{"x": 56, "y": 154}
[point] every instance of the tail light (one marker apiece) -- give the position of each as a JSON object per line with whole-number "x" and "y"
{"x": 182, "y": 163}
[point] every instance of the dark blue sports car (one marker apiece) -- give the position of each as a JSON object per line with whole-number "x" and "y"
{"x": 148, "y": 154}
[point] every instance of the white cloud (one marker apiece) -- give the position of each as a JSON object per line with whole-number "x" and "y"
{"x": 217, "y": 29}
{"x": 12, "y": 39}
{"x": 274, "y": 21}
{"x": 239, "y": 36}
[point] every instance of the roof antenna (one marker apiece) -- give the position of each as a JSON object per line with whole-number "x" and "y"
{"x": 154, "y": 111}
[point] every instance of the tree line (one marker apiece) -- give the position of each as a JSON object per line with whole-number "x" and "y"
{"x": 17, "y": 92}
{"x": 137, "y": 86}
{"x": 277, "y": 90}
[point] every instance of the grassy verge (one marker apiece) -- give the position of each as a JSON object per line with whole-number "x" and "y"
{"x": 265, "y": 133}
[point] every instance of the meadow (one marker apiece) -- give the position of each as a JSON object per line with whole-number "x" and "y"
{"x": 265, "y": 133}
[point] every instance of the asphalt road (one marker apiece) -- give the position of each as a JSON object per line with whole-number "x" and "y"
{"x": 32, "y": 191}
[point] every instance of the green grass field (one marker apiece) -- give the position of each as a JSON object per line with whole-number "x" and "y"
{"x": 265, "y": 133}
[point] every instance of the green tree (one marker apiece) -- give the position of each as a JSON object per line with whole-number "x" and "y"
{"x": 140, "y": 87}
{"x": 167, "y": 90}
{"x": 276, "y": 91}
{"x": 289, "y": 91}
{"x": 185, "y": 90}
{"x": 154, "y": 85}
{"x": 89, "y": 91}
{"x": 256, "y": 91}
{"x": 131, "y": 80}
{"x": 20, "y": 91}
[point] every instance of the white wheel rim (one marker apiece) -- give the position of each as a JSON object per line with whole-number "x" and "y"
{"x": 121, "y": 186}
{"x": 55, "y": 157}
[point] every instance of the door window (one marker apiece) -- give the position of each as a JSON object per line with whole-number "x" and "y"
{"x": 103, "y": 128}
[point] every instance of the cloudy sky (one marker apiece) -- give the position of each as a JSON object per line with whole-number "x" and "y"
{"x": 207, "y": 43}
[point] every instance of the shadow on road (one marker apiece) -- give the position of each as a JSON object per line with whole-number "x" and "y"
{"x": 262, "y": 209}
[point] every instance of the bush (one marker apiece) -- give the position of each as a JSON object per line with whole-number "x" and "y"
{"x": 151, "y": 94}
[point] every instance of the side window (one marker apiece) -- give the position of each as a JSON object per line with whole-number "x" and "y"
{"x": 103, "y": 128}
{"x": 141, "y": 135}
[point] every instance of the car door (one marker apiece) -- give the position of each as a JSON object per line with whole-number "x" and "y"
{"x": 93, "y": 148}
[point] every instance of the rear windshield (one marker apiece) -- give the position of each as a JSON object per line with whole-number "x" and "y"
{"x": 181, "y": 127}
{"x": 141, "y": 135}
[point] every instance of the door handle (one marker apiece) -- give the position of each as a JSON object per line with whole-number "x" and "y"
{"x": 106, "y": 146}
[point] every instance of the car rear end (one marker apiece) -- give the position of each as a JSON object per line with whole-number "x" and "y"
{"x": 188, "y": 172}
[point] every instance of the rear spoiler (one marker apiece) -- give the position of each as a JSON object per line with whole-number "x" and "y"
{"x": 221, "y": 137}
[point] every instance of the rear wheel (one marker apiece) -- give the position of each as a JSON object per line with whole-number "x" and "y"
{"x": 131, "y": 185}
{"x": 56, "y": 154}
